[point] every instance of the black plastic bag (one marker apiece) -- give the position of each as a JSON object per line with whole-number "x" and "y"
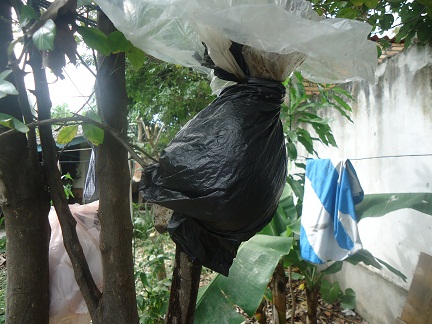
{"x": 223, "y": 173}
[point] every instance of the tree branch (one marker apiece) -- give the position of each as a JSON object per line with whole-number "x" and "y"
{"x": 83, "y": 276}
{"x": 76, "y": 118}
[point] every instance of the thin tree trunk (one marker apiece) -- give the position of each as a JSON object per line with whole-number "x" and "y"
{"x": 184, "y": 289}
{"x": 25, "y": 204}
{"x": 312, "y": 305}
{"x": 118, "y": 298}
{"x": 278, "y": 286}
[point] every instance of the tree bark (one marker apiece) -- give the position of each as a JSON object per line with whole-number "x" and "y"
{"x": 118, "y": 298}
{"x": 25, "y": 203}
{"x": 184, "y": 289}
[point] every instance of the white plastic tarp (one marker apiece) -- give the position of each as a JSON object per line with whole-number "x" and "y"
{"x": 337, "y": 50}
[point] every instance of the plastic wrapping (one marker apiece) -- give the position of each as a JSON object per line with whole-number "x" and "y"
{"x": 67, "y": 304}
{"x": 337, "y": 50}
{"x": 223, "y": 173}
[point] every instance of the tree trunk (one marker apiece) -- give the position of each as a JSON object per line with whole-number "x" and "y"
{"x": 118, "y": 298}
{"x": 184, "y": 289}
{"x": 25, "y": 204}
{"x": 278, "y": 286}
{"x": 312, "y": 305}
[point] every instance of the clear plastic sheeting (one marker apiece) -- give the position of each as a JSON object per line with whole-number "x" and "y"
{"x": 335, "y": 50}
{"x": 67, "y": 303}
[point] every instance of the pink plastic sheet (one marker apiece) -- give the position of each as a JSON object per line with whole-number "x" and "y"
{"x": 67, "y": 304}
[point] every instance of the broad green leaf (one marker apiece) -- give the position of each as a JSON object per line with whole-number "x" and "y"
{"x": 347, "y": 13}
{"x": 348, "y": 299}
{"x": 427, "y": 3}
{"x": 330, "y": 292}
{"x": 376, "y": 205}
{"x": 335, "y": 267}
{"x": 135, "y": 56}
{"x": 367, "y": 258}
{"x": 424, "y": 31}
{"x": 26, "y": 15}
{"x": 95, "y": 39}
{"x": 246, "y": 283}
{"x": 371, "y": 3}
{"x": 296, "y": 186}
{"x": 6, "y": 88}
{"x": 44, "y": 37}
{"x": 357, "y": 2}
{"x": 67, "y": 134}
{"x": 93, "y": 133}
{"x": 118, "y": 42}
{"x": 4, "y": 74}
{"x": 13, "y": 123}
{"x": 392, "y": 269}
{"x": 296, "y": 226}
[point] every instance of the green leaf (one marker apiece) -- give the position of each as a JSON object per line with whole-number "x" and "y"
{"x": 371, "y": 3}
{"x": 330, "y": 292}
{"x": 67, "y": 134}
{"x": 367, "y": 258}
{"x": 347, "y": 13}
{"x": 357, "y": 2}
{"x": 393, "y": 270}
{"x": 13, "y": 123}
{"x": 335, "y": 267}
{"x": 296, "y": 186}
{"x": 292, "y": 151}
{"x": 26, "y": 15}
{"x": 44, "y": 37}
{"x": 246, "y": 283}
{"x": 6, "y": 88}
{"x": 387, "y": 21}
{"x": 348, "y": 299}
{"x": 135, "y": 56}
{"x": 93, "y": 133}
{"x": 342, "y": 103}
{"x": 305, "y": 139}
{"x": 118, "y": 42}
{"x": 404, "y": 31}
{"x": 95, "y": 39}
{"x": 296, "y": 226}
{"x": 379, "y": 51}
{"x": 424, "y": 31}
{"x": 376, "y": 205}
{"x": 364, "y": 256}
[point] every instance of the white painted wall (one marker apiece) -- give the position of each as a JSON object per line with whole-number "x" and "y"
{"x": 391, "y": 118}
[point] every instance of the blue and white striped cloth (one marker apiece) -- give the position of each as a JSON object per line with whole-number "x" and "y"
{"x": 328, "y": 225}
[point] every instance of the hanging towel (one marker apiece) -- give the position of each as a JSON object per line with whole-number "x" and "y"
{"x": 329, "y": 224}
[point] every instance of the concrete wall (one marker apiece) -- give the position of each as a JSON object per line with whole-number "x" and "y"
{"x": 392, "y": 120}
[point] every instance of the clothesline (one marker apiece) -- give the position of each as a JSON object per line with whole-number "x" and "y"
{"x": 379, "y": 157}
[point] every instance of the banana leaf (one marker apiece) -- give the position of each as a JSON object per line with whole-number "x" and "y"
{"x": 376, "y": 205}
{"x": 245, "y": 286}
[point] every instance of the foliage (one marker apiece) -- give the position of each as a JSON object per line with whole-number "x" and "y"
{"x": 67, "y": 187}
{"x": 6, "y": 88}
{"x": 166, "y": 94}
{"x": 413, "y": 18}
{"x": 151, "y": 278}
{"x": 302, "y": 109}
{"x": 249, "y": 275}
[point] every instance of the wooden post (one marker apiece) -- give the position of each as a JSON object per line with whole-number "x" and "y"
{"x": 184, "y": 289}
